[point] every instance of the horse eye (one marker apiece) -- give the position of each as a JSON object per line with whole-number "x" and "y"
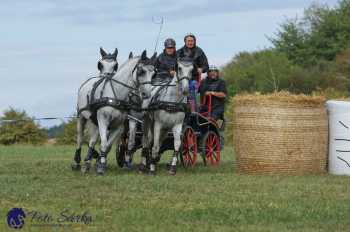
{"x": 140, "y": 72}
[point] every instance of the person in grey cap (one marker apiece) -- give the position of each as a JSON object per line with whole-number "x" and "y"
{"x": 166, "y": 62}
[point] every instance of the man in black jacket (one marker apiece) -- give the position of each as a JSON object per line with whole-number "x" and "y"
{"x": 166, "y": 62}
{"x": 192, "y": 52}
{"x": 195, "y": 54}
{"x": 216, "y": 88}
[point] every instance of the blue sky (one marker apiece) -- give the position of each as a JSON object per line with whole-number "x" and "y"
{"x": 48, "y": 48}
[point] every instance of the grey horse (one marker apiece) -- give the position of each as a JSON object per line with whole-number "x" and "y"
{"x": 108, "y": 65}
{"x": 113, "y": 102}
{"x": 167, "y": 104}
{"x": 136, "y": 117}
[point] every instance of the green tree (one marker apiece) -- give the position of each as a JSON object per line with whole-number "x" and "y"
{"x": 263, "y": 71}
{"x": 319, "y": 36}
{"x": 23, "y": 130}
{"x": 69, "y": 134}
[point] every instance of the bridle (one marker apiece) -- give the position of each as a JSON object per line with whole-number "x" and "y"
{"x": 108, "y": 58}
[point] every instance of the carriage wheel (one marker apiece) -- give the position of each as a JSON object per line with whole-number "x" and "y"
{"x": 121, "y": 151}
{"x": 189, "y": 148}
{"x": 211, "y": 148}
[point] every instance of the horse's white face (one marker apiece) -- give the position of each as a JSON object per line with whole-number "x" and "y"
{"x": 184, "y": 74}
{"x": 144, "y": 76}
{"x": 107, "y": 66}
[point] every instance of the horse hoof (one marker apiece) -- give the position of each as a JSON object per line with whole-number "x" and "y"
{"x": 101, "y": 168}
{"x": 172, "y": 170}
{"x": 128, "y": 166}
{"x": 152, "y": 173}
{"x": 100, "y": 171}
{"x": 142, "y": 169}
{"x": 76, "y": 167}
{"x": 86, "y": 168}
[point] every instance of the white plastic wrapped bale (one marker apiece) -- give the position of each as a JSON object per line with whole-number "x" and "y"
{"x": 339, "y": 137}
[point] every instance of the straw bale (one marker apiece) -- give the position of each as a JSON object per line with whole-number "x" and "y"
{"x": 280, "y": 133}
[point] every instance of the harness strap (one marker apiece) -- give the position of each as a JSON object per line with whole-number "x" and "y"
{"x": 106, "y": 101}
{"x": 170, "y": 107}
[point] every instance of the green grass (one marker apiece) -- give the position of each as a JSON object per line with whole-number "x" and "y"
{"x": 199, "y": 199}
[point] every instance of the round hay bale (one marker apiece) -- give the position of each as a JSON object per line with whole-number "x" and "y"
{"x": 280, "y": 133}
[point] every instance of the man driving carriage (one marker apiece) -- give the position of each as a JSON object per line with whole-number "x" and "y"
{"x": 166, "y": 62}
{"x": 215, "y": 88}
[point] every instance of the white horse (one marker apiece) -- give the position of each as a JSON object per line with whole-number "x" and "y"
{"x": 135, "y": 118}
{"x": 108, "y": 65}
{"x": 167, "y": 105}
{"x": 112, "y": 100}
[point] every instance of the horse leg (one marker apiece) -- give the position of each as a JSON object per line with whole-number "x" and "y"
{"x": 103, "y": 130}
{"x": 105, "y": 148}
{"x": 156, "y": 146}
{"x": 131, "y": 143}
{"x": 92, "y": 153}
{"x": 146, "y": 145}
{"x": 93, "y": 140}
{"x": 177, "y": 129}
{"x": 80, "y": 133}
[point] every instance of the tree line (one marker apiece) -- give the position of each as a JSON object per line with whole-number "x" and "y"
{"x": 24, "y": 130}
{"x": 308, "y": 54}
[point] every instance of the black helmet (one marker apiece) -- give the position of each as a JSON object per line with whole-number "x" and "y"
{"x": 169, "y": 43}
{"x": 190, "y": 35}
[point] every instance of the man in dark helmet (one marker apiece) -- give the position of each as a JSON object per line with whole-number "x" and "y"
{"x": 166, "y": 62}
{"x": 215, "y": 87}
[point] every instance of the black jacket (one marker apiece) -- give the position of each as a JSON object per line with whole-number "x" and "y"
{"x": 215, "y": 85}
{"x": 164, "y": 64}
{"x": 195, "y": 54}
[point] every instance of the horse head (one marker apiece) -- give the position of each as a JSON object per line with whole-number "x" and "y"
{"x": 108, "y": 63}
{"x": 145, "y": 70}
{"x": 184, "y": 74}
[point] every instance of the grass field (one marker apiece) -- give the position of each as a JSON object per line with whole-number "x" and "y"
{"x": 201, "y": 199}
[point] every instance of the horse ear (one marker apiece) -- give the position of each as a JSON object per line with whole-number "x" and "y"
{"x": 144, "y": 55}
{"x": 131, "y": 55}
{"x": 153, "y": 58}
{"x": 115, "y": 54}
{"x": 116, "y": 67}
{"x": 99, "y": 66}
{"x": 102, "y": 52}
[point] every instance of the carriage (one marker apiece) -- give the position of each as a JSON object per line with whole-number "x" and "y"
{"x": 200, "y": 135}
{"x": 194, "y": 131}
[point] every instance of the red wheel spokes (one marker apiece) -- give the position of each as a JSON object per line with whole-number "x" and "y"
{"x": 212, "y": 149}
{"x": 189, "y": 148}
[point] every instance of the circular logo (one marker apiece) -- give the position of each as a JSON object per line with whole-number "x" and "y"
{"x": 15, "y": 218}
